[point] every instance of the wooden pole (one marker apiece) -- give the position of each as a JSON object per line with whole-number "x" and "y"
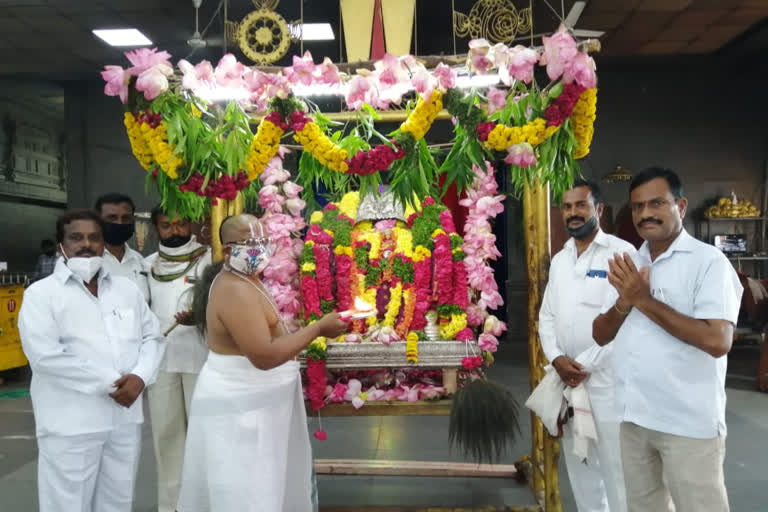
{"x": 545, "y": 449}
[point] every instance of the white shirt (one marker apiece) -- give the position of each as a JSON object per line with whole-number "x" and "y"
{"x": 78, "y": 345}
{"x": 185, "y": 350}
{"x": 131, "y": 266}
{"x": 575, "y": 292}
{"x": 663, "y": 383}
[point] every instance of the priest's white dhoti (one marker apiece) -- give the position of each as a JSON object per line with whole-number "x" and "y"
{"x": 247, "y": 448}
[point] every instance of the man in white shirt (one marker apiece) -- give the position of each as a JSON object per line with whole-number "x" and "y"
{"x": 173, "y": 271}
{"x": 575, "y": 292}
{"x": 670, "y": 320}
{"x": 93, "y": 344}
{"x": 117, "y": 211}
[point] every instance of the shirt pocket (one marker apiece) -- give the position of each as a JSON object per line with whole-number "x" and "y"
{"x": 593, "y": 292}
{"x": 675, "y": 298}
{"x": 123, "y": 326}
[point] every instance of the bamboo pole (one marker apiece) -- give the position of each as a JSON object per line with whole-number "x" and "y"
{"x": 545, "y": 449}
{"x": 220, "y": 210}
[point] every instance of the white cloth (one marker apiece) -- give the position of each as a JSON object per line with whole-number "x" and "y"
{"x": 582, "y": 422}
{"x": 89, "y": 472}
{"x": 185, "y": 349}
{"x": 247, "y": 443}
{"x": 131, "y": 267}
{"x": 663, "y": 383}
{"x": 78, "y": 345}
{"x": 547, "y": 402}
{"x": 572, "y": 300}
{"x": 169, "y": 399}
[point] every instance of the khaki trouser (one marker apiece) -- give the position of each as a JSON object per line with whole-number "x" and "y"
{"x": 664, "y": 469}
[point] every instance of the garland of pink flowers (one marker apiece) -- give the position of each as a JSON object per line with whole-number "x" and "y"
{"x": 480, "y": 248}
{"x": 283, "y": 221}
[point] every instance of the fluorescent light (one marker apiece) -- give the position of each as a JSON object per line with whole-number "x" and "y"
{"x": 122, "y": 37}
{"x": 315, "y": 32}
{"x": 466, "y": 82}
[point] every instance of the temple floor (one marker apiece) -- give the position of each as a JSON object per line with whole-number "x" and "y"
{"x": 420, "y": 439}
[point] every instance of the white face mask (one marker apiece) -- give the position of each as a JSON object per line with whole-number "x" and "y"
{"x": 84, "y": 268}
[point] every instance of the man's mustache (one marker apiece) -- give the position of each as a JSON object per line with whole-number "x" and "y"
{"x": 82, "y": 252}
{"x": 571, "y": 219}
{"x": 650, "y": 220}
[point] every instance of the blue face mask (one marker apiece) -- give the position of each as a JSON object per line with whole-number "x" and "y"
{"x": 250, "y": 258}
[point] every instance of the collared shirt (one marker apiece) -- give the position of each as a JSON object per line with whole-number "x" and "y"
{"x": 186, "y": 349}
{"x": 663, "y": 383}
{"x": 78, "y": 345}
{"x": 575, "y": 292}
{"x": 131, "y": 266}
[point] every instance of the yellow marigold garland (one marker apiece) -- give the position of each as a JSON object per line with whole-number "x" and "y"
{"x": 393, "y": 308}
{"x": 404, "y": 237}
{"x": 583, "y": 121}
{"x": 421, "y": 253}
{"x": 316, "y": 217}
{"x": 420, "y": 120}
{"x": 164, "y": 153}
{"x": 139, "y": 146}
{"x": 321, "y": 147}
{"x": 349, "y": 204}
{"x": 264, "y": 147}
{"x": 534, "y": 133}
{"x": 412, "y": 347}
{"x": 449, "y": 330}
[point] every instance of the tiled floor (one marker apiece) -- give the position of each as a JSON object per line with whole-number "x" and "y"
{"x": 421, "y": 438}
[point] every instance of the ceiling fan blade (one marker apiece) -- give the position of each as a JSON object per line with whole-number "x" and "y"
{"x": 588, "y": 33}
{"x": 575, "y": 13}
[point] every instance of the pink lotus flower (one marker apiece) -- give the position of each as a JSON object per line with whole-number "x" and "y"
{"x": 497, "y": 99}
{"x": 197, "y": 76}
{"x": 295, "y": 206}
{"x": 229, "y": 72}
{"x": 490, "y": 300}
{"x": 490, "y": 206}
{"x": 519, "y": 65}
{"x": 282, "y": 226}
{"x": 327, "y": 72}
{"x": 392, "y": 71}
{"x": 494, "y": 326}
{"x": 581, "y": 70}
{"x": 117, "y": 80}
{"x": 488, "y": 342}
{"x": 356, "y": 95}
{"x": 475, "y": 315}
{"x": 479, "y": 56}
{"x": 375, "y": 395}
{"x": 280, "y": 267}
{"x": 270, "y": 199}
{"x": 521, "y": 155}
{"x": 337, "y": 395}
{"x": 446, "y": 76}
{"x": 354, "y": 387}
{"x": 559, "y": 50}
{"x": 146, "y": 58}
{"x": 424, "y": 83}
{"x": 358, "y": 402}
{"x": 291, "y": 189}
{"x": 274, "y": 172}
{"x": 353, "y": 338}
{"x": 302, "y": 69}
{"x": 152, "y": 83}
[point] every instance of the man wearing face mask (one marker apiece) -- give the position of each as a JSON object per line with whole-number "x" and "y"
{"x": 93, "y": 345}
{"x": 117, "y": 211}
{"x": 247, "y": 443}
{"x": 575, "y": 292}
{"x": 173, "y": 271}
{"x": 670, "y": 318}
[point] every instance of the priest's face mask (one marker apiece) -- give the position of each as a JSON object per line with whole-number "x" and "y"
{"x": 251, "y": 254}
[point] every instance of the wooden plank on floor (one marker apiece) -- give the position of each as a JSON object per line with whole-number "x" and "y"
{"x": 421, "y": 408}
{"x": 504, "y": 508}
{"x": 412, "y": 468}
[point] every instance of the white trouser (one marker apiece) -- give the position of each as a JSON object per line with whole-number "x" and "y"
{"x": 598, "y": 485}
{"x": 89, "y": 472}
{"x": 169, "y": 400}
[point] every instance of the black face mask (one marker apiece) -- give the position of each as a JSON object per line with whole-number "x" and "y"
{"x": 584, "y": 230}
{"x": 117, "y": 234}
{"x": 175, "y": 241}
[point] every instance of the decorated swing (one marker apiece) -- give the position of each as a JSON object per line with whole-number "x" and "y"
{"x": 383, "y": 248}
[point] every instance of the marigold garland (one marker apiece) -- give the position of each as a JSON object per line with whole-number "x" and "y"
{"x": 583, "y": 120}
{"x": 420, "y": 120}
{"x": 534, "y": 133}
{"x": 412, "y": 348}
{"x": 393, "y": 308}
{"x": 316, "y": 142}
{"x": 164, "y": 154}
{"x": 139, "y": 146}
{"x": 265, "y": 144}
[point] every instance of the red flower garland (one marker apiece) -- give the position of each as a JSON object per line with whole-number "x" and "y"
{"x": 376, "y": 159}
{"x": 343, "y": 282}
{"x": 562, "y": 108}
{"x": 422, "y": 277}
{"x": 311, "y": 297}
{"x": 472, "y": 362}
{"x": 461, "y": 290}
{"x": 224, "y": 187}
{"x": 322, "y": 254}
{"x": 275, "y": 118}
{"x": 317, "y": 382}
{"x": 484, "y": 129}
{"x": 443, "y": 269}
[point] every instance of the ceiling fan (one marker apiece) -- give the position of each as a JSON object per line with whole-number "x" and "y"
{"x": 573, "y": 17}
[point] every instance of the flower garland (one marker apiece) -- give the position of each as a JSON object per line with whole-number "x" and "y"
{"x": 420, "y": 120}
{"x": 379, "y": 158}
{"x": 412, "y": 348}
{"x": 583, "y": 120}
{"x": 265, "y": 144}
{"x": 316, "y": 142}
{"x": 317, "y": 354}
{"x": 309, "y": 291}
{"x": 163, "y": 153}
{"x": 139, "y": 146}
{"x": 500, "y": 137}
{"x": 224, "y": 187}
{"x": 562, "y": 108}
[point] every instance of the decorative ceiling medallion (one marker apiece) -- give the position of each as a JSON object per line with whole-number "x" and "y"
{"x": 497, "y": 21}
{"x": 263, "y": 35}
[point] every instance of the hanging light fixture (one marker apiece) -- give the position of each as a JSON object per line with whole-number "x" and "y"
{"x": 617, "y": 175}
